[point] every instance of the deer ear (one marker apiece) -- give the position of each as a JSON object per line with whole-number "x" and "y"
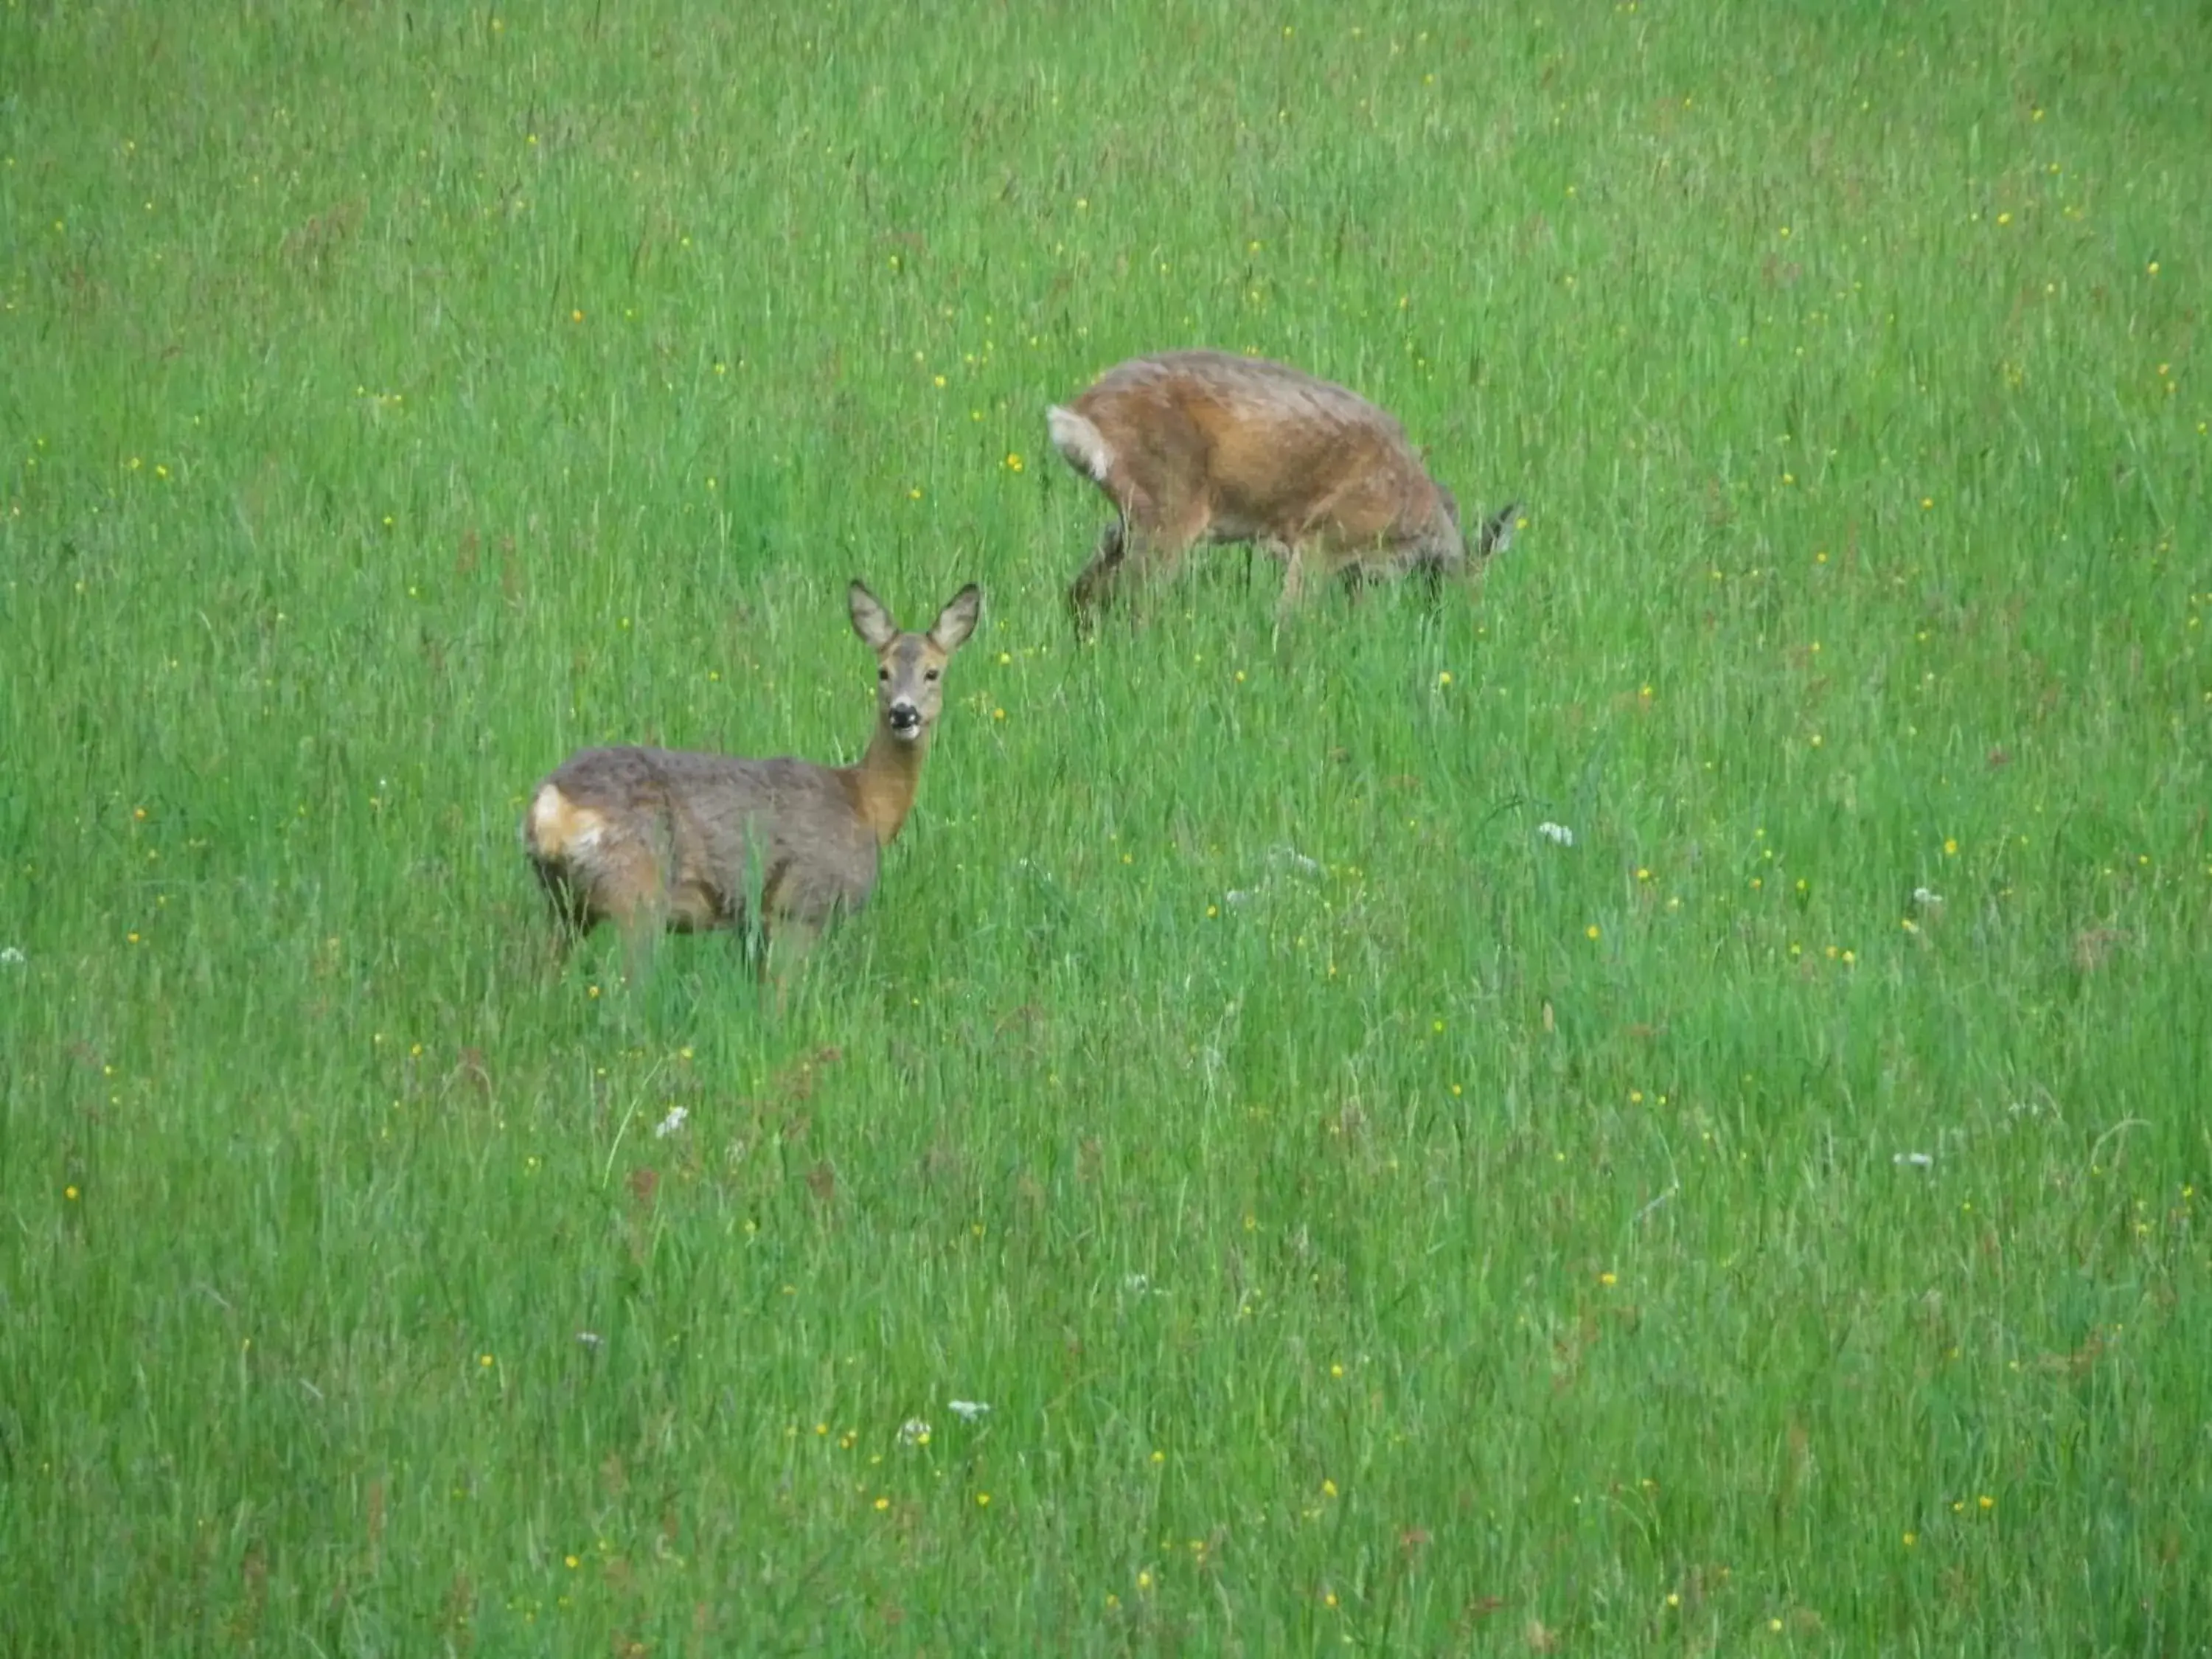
{"x": 958, "y": 620}
{"x": 870, "y": 620}
{"x": 1498, "y": 531}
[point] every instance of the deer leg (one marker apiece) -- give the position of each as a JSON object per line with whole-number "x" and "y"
{"x": 788, "y": 927}
{"x": 1297, "y": 573}
{"x": 1156, "y": 549}
{"x": 783, "y": 948}
{"x": 571, "y": 914}
{"x": 641, "y": 936}
{"x": 563, "y": 939}
{"x": 1094, "y": 586}
{"x": 633, "y": 896}
{"x": 1128, "y": 555}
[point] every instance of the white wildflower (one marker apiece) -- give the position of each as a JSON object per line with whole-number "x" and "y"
{"x": 968, "y": 1411}
{"x": 1917, "y": 1160}
{"x": 913, "y": 1432}
{"x": 668, "y": 1125}
{"x": 1295, "y": 860}
{"x": 1558, "y": 834}
{"x": 11, "y": 956}
{"x": 1926, "y": 900}
{"x": 589, "y": 1339}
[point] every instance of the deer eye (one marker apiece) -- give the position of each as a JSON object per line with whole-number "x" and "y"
{"x": 882, "y": 673}
{"x": 931, "y": 675}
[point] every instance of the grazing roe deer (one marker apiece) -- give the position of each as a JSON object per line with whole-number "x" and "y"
{"x": 1197, "y": 446}
{"x": 654, "y": 837}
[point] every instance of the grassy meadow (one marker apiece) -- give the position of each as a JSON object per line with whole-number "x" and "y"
{"x": 1776, "y": 1222}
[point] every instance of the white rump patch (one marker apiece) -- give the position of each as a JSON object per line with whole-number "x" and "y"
{"x": 545, "y": 813}
{"x": 1078, "y": 438}
{"x": 557, "y": 829}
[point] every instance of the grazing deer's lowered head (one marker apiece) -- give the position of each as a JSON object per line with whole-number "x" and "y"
{"x": 1201, "y": 446}
{"x": 655, "y": 838}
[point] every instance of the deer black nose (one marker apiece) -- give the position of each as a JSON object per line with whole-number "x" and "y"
{"x": 905, "y": 717}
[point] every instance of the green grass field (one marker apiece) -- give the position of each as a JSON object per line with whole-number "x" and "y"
{"x": 1775, "y": 1223}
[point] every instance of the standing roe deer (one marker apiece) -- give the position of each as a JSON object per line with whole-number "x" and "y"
{"x": 649, "y": 837}
{"x": 1200, "y": 447}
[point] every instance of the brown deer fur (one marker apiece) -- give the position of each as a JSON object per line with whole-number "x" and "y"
{"x": 1201, "y": 446}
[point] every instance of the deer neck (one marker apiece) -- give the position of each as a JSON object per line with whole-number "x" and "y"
{"x": 884, "y": 783}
